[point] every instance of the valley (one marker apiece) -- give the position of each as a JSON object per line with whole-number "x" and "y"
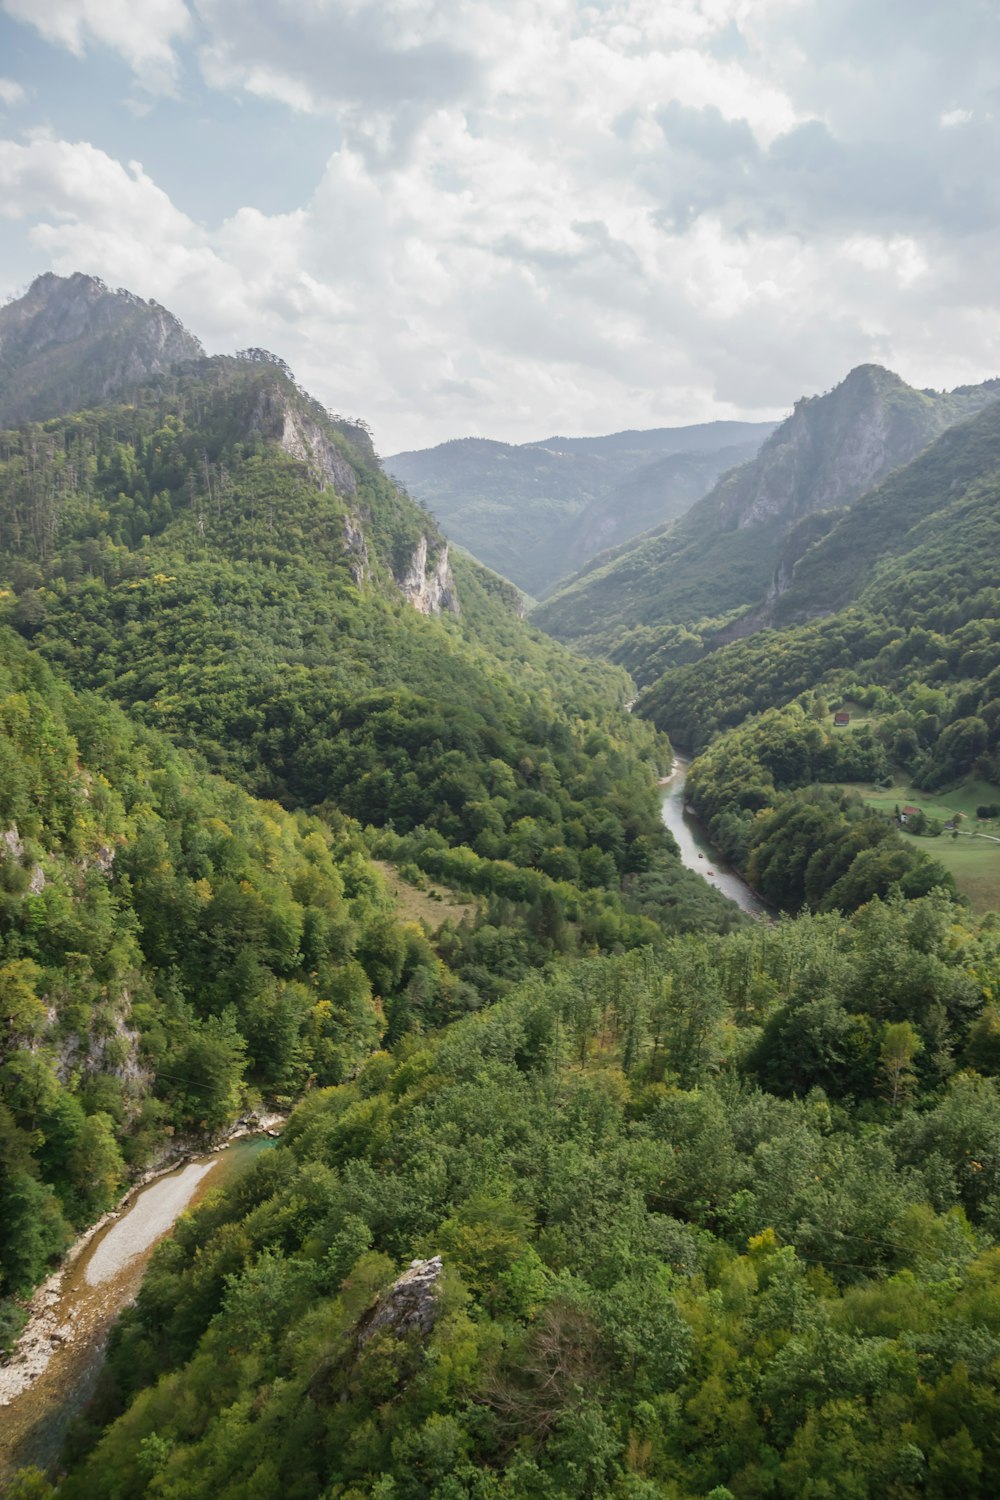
{"x": 50, "y": 1384}
{"x": 633, "y": 1150}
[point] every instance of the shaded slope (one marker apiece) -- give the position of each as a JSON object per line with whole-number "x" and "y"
{"x": 649, "y": 497}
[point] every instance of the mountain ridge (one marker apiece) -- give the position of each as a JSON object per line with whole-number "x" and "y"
{"x": 724, "y": 555}
{"x": 535, "y": 511}
{"x": 70, "y": 342}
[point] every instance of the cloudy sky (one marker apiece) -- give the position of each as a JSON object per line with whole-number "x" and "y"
{"x": 520, "y": 217}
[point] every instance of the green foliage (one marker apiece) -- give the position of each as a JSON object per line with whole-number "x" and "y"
{"x": 169, "y": 950}
{"x": 173, "y": 557}
{"x": 660, "y": 1278}
{"x": 172, "y": 951}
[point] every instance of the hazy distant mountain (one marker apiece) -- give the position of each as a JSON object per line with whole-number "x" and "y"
{"x": 70, "y": 342}
{"x": 538, "y": 511}
{"x": 648, "y": 498}
{"x": 738, "y": 544}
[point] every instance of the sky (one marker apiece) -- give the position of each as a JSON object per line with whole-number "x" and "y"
{"x": 517, "y": 218}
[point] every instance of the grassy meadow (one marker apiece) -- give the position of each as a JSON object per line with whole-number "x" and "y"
{"x": 973, "y": 857}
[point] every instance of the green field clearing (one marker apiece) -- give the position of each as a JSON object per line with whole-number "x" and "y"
{"x": 415, "y": 905}
{"x": 974, "y": 862}
{"x": 859, "y": 716}
{"x": 943, "y": 805}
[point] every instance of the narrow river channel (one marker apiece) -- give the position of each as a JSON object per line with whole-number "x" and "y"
{"x": 94, "y": 1289}
{"x": 697, "y": 853}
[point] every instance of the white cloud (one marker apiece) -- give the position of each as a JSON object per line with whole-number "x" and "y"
{"x": 145, "y": 34}
{"x": 12, "y": 94}
{"x": 546, "y": 215}
{"x": 952, "y": 117}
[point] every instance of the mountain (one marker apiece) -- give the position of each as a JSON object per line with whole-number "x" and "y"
{"x": 891, "y": 617}
{"x": 536, "y": 512}
{"x": 69, "y": 342}
{"x": 229, "y": 563}
{"x": 903, "y": 582}
{"x": 740, "y": 541}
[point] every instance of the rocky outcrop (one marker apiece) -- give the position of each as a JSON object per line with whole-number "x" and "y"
{"x": 276, "y": 418}
{"x": 430, "y": 588}
{"x": 835, "y": 447}
{"x": 70, "y": 342}
{"x": 12, "y": 848}
{"x": 357, "y": 550}
{"x": 410, "y": 1304}
{"x": 304, "y": 440}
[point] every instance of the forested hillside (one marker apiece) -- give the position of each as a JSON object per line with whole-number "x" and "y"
{"x": 674, "y": 1260}
{"x": 916, "y": 654}
{"x": 170, "y": 952}
{"x": 298, "y": 620}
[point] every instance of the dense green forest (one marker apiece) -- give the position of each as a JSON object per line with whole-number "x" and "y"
{"x": 170, "y": 952}
{"x": 722, "y": 1222}
{"x": 172, "y": 556}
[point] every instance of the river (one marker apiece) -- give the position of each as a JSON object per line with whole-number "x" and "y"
{"x": 697, "y": 853}
{"x": 93, "y": 1290}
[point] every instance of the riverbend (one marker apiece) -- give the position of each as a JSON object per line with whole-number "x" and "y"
{"x": 54, "y": 1369}
{"x": 696, "y": 851}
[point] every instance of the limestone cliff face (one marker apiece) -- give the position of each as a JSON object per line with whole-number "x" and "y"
{"x": 70, "y": 342}
{"x": 835, "y": 447}
{"x": 430, "y": 589}
{"x": 357, "y": 550}
{"x": 276, "y": 418}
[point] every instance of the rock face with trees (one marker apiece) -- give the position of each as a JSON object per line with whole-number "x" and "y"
{"x": 734, "y": 551}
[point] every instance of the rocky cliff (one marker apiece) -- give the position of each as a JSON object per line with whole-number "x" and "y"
{"x": 70, "y": 343}
{"x": 277, "y": 418}
{"x": 410, "y": 1304}
{"x": 427, "y": 582}
{"x": 834, "y": 447}
{"x": 734, "y": 550}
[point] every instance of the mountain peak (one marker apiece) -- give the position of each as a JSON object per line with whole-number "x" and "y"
{"x": 70, "y": 342}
